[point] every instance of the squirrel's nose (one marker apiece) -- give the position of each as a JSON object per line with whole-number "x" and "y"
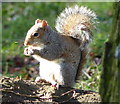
{"x": 26, "y": 43}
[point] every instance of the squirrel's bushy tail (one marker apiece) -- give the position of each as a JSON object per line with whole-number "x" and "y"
{"x": 76, "y": 22}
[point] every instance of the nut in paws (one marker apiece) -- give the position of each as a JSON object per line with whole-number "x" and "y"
{"x": 28, "y": 51}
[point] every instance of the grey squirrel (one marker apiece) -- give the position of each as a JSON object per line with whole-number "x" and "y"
{"x": 61, "y": 53}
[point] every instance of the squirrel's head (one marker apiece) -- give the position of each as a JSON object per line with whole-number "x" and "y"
{"x": 35, "y": 33}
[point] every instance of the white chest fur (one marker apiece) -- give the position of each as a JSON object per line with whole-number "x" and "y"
{"x": 49, "y": 69}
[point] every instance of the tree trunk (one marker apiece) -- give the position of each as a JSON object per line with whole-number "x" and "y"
{"x": 18, "y": 91}
{"x": 110, "y": 79}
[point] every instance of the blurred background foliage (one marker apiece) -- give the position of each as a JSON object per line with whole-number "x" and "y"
{"x": 18, "y": 17}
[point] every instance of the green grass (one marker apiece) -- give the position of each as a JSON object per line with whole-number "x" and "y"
{"x": 17, "y": 18}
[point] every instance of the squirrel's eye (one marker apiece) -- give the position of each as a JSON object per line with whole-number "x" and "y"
{"x": 35, "y": 34}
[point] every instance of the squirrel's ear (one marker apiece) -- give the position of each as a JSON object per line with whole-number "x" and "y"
{"x": 37, "y": 21}
{"x": 44, "y": 23}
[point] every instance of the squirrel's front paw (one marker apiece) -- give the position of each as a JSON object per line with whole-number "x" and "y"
{"x": 56, "y": 85}
{"x": 28, "y": 51}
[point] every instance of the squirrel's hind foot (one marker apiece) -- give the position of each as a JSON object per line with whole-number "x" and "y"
{"x": 39, "y": 79}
